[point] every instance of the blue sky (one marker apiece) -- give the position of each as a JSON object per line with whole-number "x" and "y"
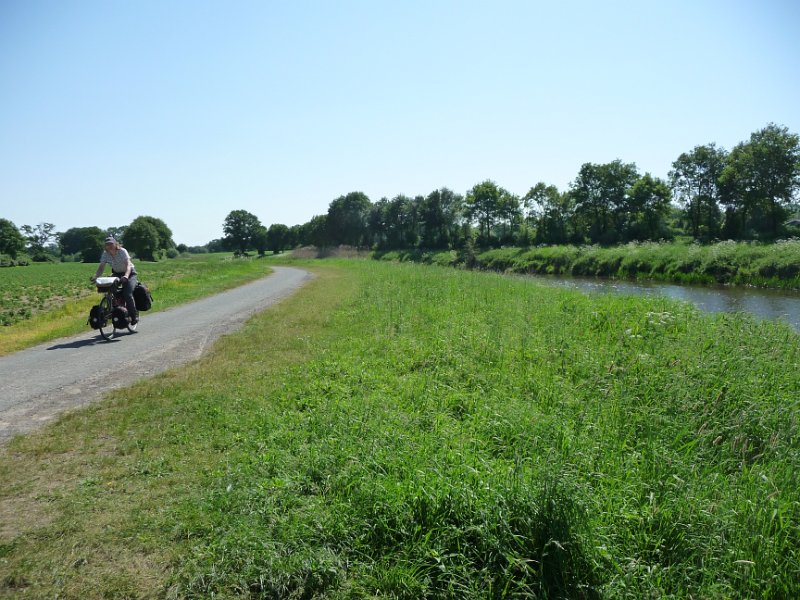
{"x": 186, "y": 110}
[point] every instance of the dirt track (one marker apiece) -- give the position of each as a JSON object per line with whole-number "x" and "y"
{"x": 39, "y": 383}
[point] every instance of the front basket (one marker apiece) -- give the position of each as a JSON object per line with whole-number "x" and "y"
{"x": 103, "y": 283}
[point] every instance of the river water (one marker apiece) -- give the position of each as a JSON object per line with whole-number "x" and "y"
{"x": 762, "y": 303}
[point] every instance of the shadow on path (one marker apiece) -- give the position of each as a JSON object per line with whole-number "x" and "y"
{"x": 82, "y": 343}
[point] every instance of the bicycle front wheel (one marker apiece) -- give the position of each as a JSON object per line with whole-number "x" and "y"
{"x": 107, "y": 328}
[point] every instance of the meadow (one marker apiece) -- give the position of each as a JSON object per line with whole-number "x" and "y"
{"x": 732, "y": 263}
{"x": 44, "y": 301}
{"x": 408, "y": 431}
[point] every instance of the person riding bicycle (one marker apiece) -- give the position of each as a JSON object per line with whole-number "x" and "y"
{"x": 122, "y": 267}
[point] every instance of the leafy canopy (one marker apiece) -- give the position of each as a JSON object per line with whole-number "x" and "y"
{"x": 11, "y": 240}
{"x": 242, "y": 230}
{"x": 86, "y": 241}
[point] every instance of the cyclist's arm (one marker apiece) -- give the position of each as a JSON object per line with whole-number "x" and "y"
{"x": 100, "y": 270}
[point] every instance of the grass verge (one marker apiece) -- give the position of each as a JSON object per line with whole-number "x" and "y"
{"x": 91, "y": 506}
{"x": 409, "y": 431}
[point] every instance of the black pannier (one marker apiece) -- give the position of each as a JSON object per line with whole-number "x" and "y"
{"x": 96, "y": 320}
{"x": 142, "y": 297}
{"x": 119, "y": 316}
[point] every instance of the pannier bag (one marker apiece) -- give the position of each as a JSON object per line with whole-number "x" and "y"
{"x": 119, "y": 316}
{"x": 142, "y": 297}
{"x": 96, "y": 320}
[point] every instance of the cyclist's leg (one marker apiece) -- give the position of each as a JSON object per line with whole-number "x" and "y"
{"x": 127, "y": 293}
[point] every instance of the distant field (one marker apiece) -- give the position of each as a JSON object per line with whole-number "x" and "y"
{"x": 47, "y": 300}
{"x": 40, "y": 287}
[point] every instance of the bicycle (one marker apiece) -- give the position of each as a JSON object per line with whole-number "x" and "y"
{"x": 111, "y": 308}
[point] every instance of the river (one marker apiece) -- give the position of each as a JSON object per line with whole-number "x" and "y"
{"x": 762, "y": 303}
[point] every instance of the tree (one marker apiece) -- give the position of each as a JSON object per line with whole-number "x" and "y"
{"x": 277, "y": 237}
{"x": 592, "y": 211}
{"x": 86, "y": 241}
{"x": 293, "y": 237}
{"x": 619, "y": 177}
{"x": 240, "y": 228}
{"x": 439, "y": 215}
{"x": 260, "y": 240}
{"x": 601, "y": 203}
{"x": 550, "y": 212}
{"x": 509, "y": 216}
{"x": 39, "y": 237}
{"x": 376, "y": 223}
{"x": 347, "y": 219}
{"x": 11, "y": 240}
{"x": 482, "y": 205}
{"x": 118, "y": 233}
{"x": 164, "y": 233}
{"x": 142, "y": 238}
{"x": 649, "y": 202}
{"x": 761, "y": 179}
{"x": 694, "y": 179}
{"x": 314, "y": 232}
{"x": 400, "y": 219}
{"x": 148, "y": 237}
{"x": 216, "y": 245}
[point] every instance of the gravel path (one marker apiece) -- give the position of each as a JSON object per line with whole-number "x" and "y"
{"x": 38, "y": 383}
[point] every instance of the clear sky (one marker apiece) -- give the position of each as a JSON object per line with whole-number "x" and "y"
{"x": 186, "y": 110}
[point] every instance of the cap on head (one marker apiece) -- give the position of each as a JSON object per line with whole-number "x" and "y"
{"x": 110, "y": 240}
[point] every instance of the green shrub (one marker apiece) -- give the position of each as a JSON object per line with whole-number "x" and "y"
{"x": 22, "y": 260}
{"x": 744, "y": 263}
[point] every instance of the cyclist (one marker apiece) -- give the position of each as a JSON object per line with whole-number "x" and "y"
{"x": 122, "y": 267}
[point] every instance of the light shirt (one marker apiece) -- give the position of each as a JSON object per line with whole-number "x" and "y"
{"x": 119, "y": 263}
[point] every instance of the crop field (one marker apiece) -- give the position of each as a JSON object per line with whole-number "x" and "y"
{"x": 405, "y": 431}
{"x": 38, "y": 288}
{"x": 46, "y": 300}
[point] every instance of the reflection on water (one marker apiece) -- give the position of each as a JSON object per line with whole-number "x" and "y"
{"x": 766, "y": 304}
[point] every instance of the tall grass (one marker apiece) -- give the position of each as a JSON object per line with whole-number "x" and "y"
{"x": 448, "y": 434}
{"x": 739, "y": 263}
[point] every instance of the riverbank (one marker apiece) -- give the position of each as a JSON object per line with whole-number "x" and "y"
{"x": 403, "y": 431}
{"x": 730, "y": 263}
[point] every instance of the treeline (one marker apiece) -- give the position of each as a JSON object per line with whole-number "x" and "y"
{"x": 148, "y": 238}
{"x": 749, "y": 193}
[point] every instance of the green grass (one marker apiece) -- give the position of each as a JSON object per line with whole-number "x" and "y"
{"x": 738, "y": 263}
{"x": 34, "y": 289}
{"x": 409, "y": 431}
{"x": 44, "y": 301}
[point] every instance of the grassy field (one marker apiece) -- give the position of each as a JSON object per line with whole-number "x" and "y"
{"x": 737, "y": 263}
{"x": 44, "y": 301}
{"x": 409, "y": 431}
